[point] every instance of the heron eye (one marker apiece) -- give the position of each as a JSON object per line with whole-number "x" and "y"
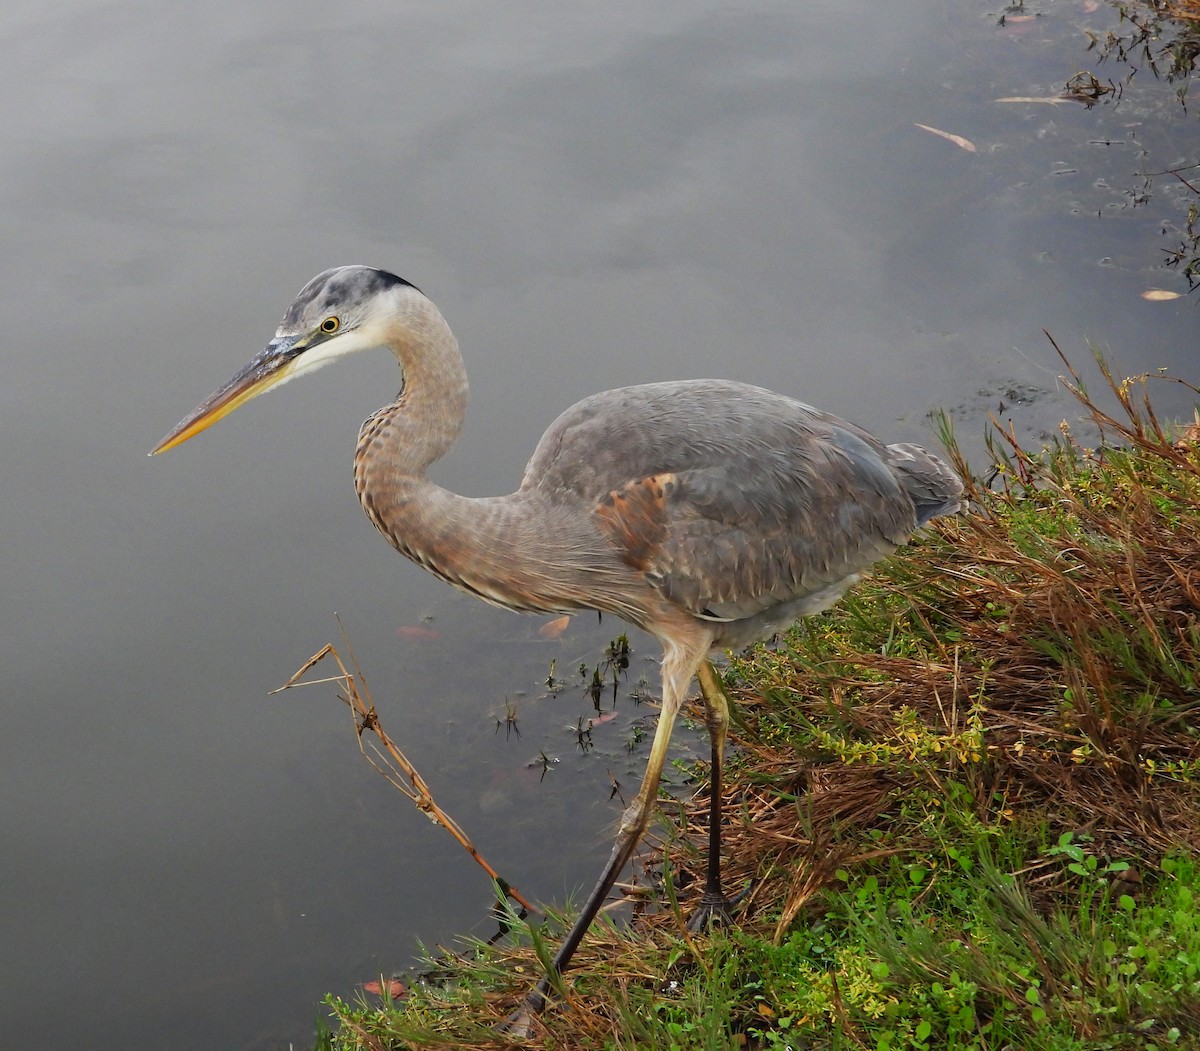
{"x": 330, "y": 325}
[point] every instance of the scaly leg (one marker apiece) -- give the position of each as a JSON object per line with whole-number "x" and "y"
{"x": 678, "y": 667}
{"x": 714, "y": 905}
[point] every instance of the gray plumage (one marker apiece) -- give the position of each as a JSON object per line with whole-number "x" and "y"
{"x": 709, "y": 513}
{"x": 739, "y": 507}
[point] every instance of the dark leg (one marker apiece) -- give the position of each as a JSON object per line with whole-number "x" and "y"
{"x": 678, "y": 667}
{"x": 714, "y": 905}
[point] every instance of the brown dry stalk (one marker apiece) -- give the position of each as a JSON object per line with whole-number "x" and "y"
{"x": 386, "y": 757}
{"x": 1189, "y": 9}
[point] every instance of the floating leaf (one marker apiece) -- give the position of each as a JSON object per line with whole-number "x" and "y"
{"x": 395, "y": 988}
{"x": 1049, "y": 100}
{"x": 958, "y": 140}
{"x": 418, "y": 632}
{"x": 552, "y": 629}
{"x": 1160, "y": 295}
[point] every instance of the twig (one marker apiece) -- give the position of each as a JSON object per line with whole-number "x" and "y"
{"x": 386, "y": 757}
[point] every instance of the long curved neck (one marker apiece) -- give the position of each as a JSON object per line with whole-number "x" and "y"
{"x": 397, "y": 443}
{"x": 426, "y": 418}
{"x": 471, "y": 543}
{"x": 520, "y": 551}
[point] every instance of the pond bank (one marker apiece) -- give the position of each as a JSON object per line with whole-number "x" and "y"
{"x": 966, "y": 801}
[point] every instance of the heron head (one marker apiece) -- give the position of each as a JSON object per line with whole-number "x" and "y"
{"x": 338, "y": 312}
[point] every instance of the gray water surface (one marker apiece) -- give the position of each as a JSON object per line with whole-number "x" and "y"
{"x": 595, "y": 195}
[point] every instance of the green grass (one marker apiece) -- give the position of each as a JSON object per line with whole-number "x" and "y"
{"x": 967, "y": 801}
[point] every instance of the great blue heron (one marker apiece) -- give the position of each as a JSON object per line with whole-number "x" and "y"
{"x": 709, "y": 513}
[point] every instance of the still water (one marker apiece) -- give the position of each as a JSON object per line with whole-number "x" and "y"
{"x": 595, "y": 195}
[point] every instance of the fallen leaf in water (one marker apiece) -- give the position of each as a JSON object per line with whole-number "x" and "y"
{"x": 396, "y": 988}
{"x": 416, "y": 631}
{"x": 958, "y": 140}
{"x": 1049, "y": 100}
{"x": 553, "y": 628}
{"x": 1019, "y": 18}
{"x": 1089, "y": 6}
{"x": 600, "y": 720}
{"x": 1160, "y": 295}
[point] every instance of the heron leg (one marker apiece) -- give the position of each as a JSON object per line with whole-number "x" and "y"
{"x": 679, "y": 665}
{"x": 714, "y": 905}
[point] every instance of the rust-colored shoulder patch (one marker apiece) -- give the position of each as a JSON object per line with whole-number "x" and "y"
{"x": 634, "y": 518}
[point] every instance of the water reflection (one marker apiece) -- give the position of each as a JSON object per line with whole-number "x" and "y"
{"x": 594, "y": 197}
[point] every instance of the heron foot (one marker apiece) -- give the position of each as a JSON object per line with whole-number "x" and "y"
{"x": 715, "y": 910}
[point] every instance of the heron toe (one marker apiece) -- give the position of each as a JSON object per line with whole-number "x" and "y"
{"x": 715, "y": 910}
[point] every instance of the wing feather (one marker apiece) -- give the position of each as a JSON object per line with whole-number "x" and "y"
{"x": 730, "y": 499}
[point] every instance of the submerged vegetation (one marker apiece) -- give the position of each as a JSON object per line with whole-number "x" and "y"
{"x": 966, "y": 801}
{"x": 1162, "y": 37}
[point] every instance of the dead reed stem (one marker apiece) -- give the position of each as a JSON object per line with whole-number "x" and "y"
{"x": 385, "y": 755}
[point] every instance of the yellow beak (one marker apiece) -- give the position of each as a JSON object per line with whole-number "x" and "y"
{"x": 268, "y": 369}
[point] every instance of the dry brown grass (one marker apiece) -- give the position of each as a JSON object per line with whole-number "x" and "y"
{"x": 1060, "y": 619}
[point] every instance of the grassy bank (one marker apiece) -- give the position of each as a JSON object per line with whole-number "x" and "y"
{"x": 967, "y": 801}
